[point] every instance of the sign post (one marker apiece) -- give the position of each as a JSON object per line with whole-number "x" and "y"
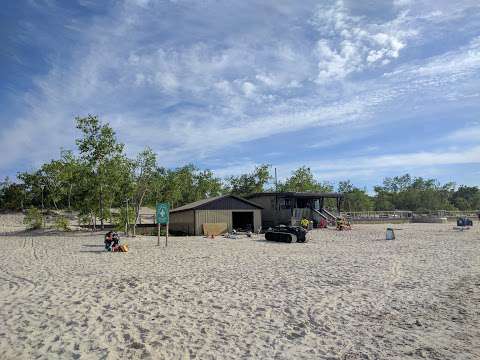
{"x": 163, "y": 217}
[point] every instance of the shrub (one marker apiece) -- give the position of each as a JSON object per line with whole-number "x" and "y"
{"x": 120, "y": 218}
{"x": 33, "y": 218}
{"x": 84, "y": 219}
{"x": 62, "y": 223}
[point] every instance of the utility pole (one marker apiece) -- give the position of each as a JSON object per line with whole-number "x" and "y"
{"x": 276, "y": 181}
{"x": 276, "y": 199}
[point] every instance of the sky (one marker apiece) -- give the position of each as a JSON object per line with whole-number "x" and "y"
{"x": 353, "y": 90}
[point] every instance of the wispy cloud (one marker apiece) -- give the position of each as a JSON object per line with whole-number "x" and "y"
{"x": 466, "y": 135}
{"x": 206, "y": 77}
{"x": 359, "y": 166}
{"x": 411, "y": 80}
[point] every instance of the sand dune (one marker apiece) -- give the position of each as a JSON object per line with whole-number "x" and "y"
{"x": 343, "y": 295}
{"x": 11, "y": 223}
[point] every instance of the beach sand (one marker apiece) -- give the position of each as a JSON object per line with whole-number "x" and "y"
{"x": 343, "y": 295}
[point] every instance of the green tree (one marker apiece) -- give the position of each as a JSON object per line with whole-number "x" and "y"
{"x": 250, "y": 183}
{"x": 303, "y": 180}
{"x": 207, "y": 184}
{"x": 34, "y": 185}
{"x": 355, "y": 199}
{"x": 71, "y": 170}
{"x": 345, "y": 187}
{"x": 384, "y": 200}
{"x": 145, "y": 168}
{"x": 98, "y": 146}
{"x": 51, "y": 176}
{"x": 12, "y": 195}
{"x": 83, "y": 195}
{"x": 466, "y": 198}
{"x": 414, "y": 194}
{"x": 182, "y": 185}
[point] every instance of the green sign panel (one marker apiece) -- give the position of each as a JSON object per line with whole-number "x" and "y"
{"x": 163, "y": 210}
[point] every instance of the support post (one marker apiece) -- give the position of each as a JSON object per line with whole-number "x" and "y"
{"x": 276, "y": 181}
{"x": 166, "y": 236}
{"x": 158, "y": 234}
{"x": 127, "y": 222}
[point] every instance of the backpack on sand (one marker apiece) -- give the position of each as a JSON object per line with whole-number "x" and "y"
{"x": 122, "y": 248}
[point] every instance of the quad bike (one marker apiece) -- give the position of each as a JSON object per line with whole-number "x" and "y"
{"x": 287, "y": 234}
{"x": 463, "y": 221}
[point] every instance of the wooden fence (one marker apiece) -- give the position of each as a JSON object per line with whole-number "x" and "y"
{"x": 406, "y": 216}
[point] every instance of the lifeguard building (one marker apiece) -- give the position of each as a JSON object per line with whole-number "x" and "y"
{"x": 288, "y": 208}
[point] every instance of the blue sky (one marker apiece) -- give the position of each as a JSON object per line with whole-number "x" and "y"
{"x": 354, "y": 90}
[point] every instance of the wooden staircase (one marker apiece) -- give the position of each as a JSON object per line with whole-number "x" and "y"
{"x": 312, "y": 214}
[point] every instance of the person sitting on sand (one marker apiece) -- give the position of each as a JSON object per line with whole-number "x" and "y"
{"x": 112, "y": 241}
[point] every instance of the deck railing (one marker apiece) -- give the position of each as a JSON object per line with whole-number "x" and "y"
{"x": 400, "y": 214}
{"x": 361, "y": 215}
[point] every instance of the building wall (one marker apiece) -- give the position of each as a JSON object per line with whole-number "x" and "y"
{"x": 268, "y": 205}
{"x": 223, "y": 216}
{"x": 183, "y": 221}
{"x": 270, "y": 217}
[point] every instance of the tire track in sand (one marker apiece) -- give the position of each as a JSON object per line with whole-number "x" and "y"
{"x": 34, "y": 250}
{"x": 318, "y": 318}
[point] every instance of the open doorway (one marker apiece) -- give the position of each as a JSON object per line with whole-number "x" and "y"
{"x": 242, "y": 220}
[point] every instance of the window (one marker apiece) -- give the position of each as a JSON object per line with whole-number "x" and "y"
{"x": 285, "y": 204}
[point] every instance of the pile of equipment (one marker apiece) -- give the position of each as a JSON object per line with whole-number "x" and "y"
{"x": 343, "y": 224}
{"x": 322, "y": 224}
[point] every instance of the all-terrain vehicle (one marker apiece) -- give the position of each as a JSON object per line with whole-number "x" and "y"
{"x": 464, "y": 221}
{"x": 287, "y": 234}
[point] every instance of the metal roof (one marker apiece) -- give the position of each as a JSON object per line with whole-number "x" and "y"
{"x": 200, "y": 203}
{"x": 311, "y": 195}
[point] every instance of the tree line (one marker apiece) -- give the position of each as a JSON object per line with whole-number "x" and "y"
{"x": 101, "y": 177}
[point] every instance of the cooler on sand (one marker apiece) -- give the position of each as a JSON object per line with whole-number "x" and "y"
{"x": 390, "y": 234}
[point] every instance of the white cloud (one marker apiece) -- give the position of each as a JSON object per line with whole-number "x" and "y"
{"x": 402, "y": 3}
{"x": 468, "y": 134}
{"x": 372, "y": 166}
{"x": 268, "y": 80}
{"x": 167, "y": 81}
{"x": 368, "y": 166}
{"x": 350, "y": 44}
{"x": 469, "y": 61}
{"x": 188, "y": 133}
{"x": 248, "y": 88}
{"x": 243, "y": 86}
{"x": 142, "y": 3}
{"x": 408, "y": 160}
{"x": 450, "y": 67}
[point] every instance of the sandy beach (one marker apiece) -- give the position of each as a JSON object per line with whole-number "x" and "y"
{"x": 342, "y": 295}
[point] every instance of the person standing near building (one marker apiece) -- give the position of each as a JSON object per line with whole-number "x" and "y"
{"x": 304, "y": 223}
